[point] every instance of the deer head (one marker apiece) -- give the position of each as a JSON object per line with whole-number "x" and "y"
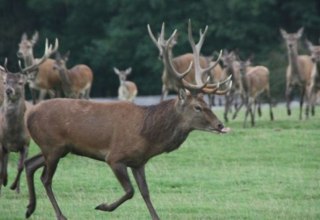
{"x": 292, "y": 38}
{"x": 122, "y": 73}
{"x": 315, "y": 51}
{"x": 26, "y": 45}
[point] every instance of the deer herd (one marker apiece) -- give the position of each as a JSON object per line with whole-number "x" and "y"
{"x": 74, "y": 124}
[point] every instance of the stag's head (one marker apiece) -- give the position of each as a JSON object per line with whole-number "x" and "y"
{"x": 315, "y": 51}
{"x": 26, "y": 45}
{"x": 292, "y": 38}
{"x": 122, "y": 73}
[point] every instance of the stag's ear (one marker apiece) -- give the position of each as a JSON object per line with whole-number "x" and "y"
{"x": 183, "y": 96}
{"x": 309, "y": 44}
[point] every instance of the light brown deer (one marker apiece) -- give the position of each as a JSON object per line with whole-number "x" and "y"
{"x": 127, "y": 89}
{"x": 299, "y": 68}
{"x": 75, "y": 82}
{"x": 14, "y": 136}
{"x": 232, "y": 66}
{"x": 255, "y": 81}
{"x": 313, "y": 87}
{"x": 44, "y": 79}
{"x": 181, "y": 63}
{"x": 99, "y": 131}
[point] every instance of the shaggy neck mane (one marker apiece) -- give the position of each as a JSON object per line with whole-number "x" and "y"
{"x": 160, "y": 124}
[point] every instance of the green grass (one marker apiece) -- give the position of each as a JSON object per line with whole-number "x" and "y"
{"x": 271, "y": 172}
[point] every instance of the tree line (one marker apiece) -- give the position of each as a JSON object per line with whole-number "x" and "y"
{"x": 113, "y": 33}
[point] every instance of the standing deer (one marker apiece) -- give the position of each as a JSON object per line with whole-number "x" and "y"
{"x": 181, "y": 63}
{"x": 44, "y": 79}
{"x": 127, "y": 89}
{"x": 232, "y": 66}
{"x": 255, "y": 80}
{"x": 77, "y": 81}
{"x": 103, "y": 134}
{"x": 314, "y": 86}
{"x": 299, "y": 68}
{"x": 14, "y": 136}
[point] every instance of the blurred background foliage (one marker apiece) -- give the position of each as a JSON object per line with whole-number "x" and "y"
{"x": 108, "y": 33}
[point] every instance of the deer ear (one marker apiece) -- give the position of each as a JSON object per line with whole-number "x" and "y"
{"x": 128, "y": 71}
{"x": 182, "y": 95}
{"x": 300, "y": 32}
{"x": 35, "y": 37}
{"x": 309, "y": 44}
{"x": 24, "y": 36}
{"x": 116, "y": 70}
{"x": 283, "y": 33}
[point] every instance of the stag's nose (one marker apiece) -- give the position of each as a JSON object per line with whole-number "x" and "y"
{"x": 220, "y": 126}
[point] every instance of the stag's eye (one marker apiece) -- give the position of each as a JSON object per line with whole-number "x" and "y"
{"x": 197, "y": 108}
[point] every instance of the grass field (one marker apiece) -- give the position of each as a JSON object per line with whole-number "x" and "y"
{"x": 271, "y": 171}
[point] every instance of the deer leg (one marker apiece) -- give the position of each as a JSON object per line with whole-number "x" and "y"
{"x": 270, "y": 107}
{"x": 34, "y": 95}
{"x": 139, "y": 175}
{"x": 50, "y": 168}
{"x": 301, "y": 102}
{"x": 211, "y": 100}
{"x": 253, "y": 112}
{"x": 32, "y": 164}
{"x": 23, "y": 155}
{"x": 288, "y": 98}
{"x": 258, "y": 102}
{"x": 226, "y": 108}
{"x": 246, "y": 116}
{"x": 237, "y": 109}
{"x": 3, "y": 167}
{"x": 121, "y": 172}
{"x": 42, "y": 94}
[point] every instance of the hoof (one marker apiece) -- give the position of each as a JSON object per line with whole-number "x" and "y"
{"x": 30, "y": 210}
{"x": 104, "y": 207}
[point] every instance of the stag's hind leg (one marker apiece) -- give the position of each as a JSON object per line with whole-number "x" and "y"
{"x": 52, "y": 161}
{"x": 31, "y": 165}
{"x": 121, "y": 172}
{"x": 23, "y": 155}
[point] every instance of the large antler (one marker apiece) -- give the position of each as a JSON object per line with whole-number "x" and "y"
{"x": 47, "y": 53}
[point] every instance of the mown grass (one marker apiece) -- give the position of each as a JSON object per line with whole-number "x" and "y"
{"x": 271, "y": 171}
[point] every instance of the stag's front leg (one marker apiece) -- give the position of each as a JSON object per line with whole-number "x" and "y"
{"x": 139, "y": 175}
{"x": 121, "y": 172}
{"x": 16, "y": 183}
{"x": 3, "y": 167}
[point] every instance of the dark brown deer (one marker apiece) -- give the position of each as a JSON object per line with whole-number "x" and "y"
{"x": 14, "y": 136}
{"x": 44, "y": 79}
{"x": 298, "y": 70}
{"x": 99, "y": 131}
{"x": 75, "y": 82}
{"x": 313, "y": 87}
{"x": 127, "y": 89}
{"x": 181, "y": 63}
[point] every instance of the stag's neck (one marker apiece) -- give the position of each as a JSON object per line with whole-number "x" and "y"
{"x": 13, "y": 112}
{"x": 163, "y": 127}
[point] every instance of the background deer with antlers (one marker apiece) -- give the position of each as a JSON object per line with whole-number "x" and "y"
{"x": 181, "y": 63}
{"x": 43, "y": 79}
{"x": 99, "y": 131}
{"x": 14, "y": 136}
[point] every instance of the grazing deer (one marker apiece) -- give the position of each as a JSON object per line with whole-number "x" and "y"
{"x": 299, "y": 68}
{"x": 14, "y": 136}
{"x": 127, "y": 89}
{"x": 255, "y": 80}
{"x": 99, "y": 131}
{"x": 44, "y": 79}
{"x": 232, "y": 66}
{"x": 77, "y": 81}
{"x": 314, "y": 86}
{"x": 181, "y": 63}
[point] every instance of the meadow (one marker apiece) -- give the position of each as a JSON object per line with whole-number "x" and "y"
{"x": 271, "y": 171}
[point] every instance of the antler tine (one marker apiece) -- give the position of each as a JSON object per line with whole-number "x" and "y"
{"x": 161, "y": 37}
{"x": 152, "y": 36}
{"x": 196, "y": 53}
{"x": 5, "y": 65}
